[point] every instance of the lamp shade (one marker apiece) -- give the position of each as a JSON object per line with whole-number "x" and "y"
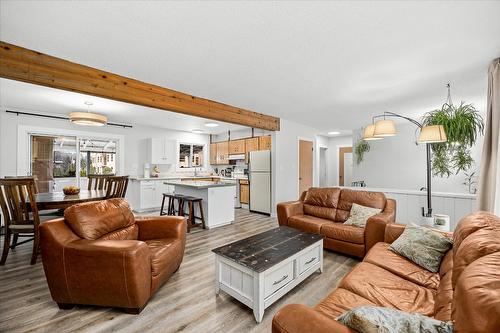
{"x": 368, "y": 133}
{"x": 432, "y": 134}
{"x": 384, "y": 128}
{"x": 88, "y": 118}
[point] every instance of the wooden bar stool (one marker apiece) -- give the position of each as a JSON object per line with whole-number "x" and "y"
{"x": 171, "y": 204}
{"x": 191, "y": 216}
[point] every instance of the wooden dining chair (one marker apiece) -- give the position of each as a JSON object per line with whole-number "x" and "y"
{"x": 97, "y": 182}
{"x": 116, "y": 186}
{"x": 18, "y": 204}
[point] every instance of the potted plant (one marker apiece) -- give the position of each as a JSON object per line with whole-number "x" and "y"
{"x": 462, "y": 124}
{"x": 360, "y": 148}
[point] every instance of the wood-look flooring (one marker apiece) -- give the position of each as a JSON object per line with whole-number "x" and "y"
{"x": 186, "y": 303}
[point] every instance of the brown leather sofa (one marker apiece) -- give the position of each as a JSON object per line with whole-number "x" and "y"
{"x": 323, "y": 211}
{"x": 466, "y": 289}
{"x": 100, "y": 254}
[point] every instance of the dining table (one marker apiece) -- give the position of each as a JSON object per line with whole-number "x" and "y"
{"x": 59, "y": 200}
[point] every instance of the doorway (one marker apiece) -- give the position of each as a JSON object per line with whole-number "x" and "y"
{"x": 323, "y": 167}
{"x": 345, "y": 166}
{"x": 305, "y": 165}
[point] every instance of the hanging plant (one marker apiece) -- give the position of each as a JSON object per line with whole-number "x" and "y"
{"x": 360, "y": 148}
{"x": 462, "y": 124}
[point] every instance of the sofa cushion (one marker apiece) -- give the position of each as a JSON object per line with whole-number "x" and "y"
{"x": 363, "y": 198}
{"x": 384, "y": 288}
{"x": 307, "y": 223}
{"x": 163, "y": 252}
{"x": 381, "y": 256}
{"x": 360, "y": 214}
{"x": 368, "y": 319}
{"x": 340, "y": 301}
{"x": 423, "y": 246}
{"x": 91, "y": 220}
{"x": 347, "y": 233}
{"x": 321, "y": 202}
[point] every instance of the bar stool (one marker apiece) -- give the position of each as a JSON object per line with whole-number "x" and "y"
{"x": 171, "y": 204}
{"x": 191, "y": 216}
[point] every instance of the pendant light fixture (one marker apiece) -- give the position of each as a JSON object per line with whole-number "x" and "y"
{"x": 88, "y": 118}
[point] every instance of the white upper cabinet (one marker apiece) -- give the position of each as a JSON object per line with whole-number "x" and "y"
{"x": 161, "y": 151}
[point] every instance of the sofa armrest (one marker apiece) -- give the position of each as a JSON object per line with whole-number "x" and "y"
{"x": 107, "y": 272}
{"x": 298, "y": 318}
{"x": 287, "y": 209}
{"x": 375, "y": 225}
{"x": 393, "y": 231}
{"x": 157, "y": 227}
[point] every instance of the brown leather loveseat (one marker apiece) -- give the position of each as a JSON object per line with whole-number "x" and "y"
{"x": 465, "y": 290}
{"x": 323, "y": 211}
{"x": 100, "y": 254}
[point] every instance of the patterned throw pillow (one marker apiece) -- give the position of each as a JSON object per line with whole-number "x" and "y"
{"x": 373, "y": 319}
{"x": 423, "y": 246}
{"x": 360, "y": 214}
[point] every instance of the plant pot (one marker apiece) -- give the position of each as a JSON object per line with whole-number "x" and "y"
{"x": 427, "y": 221}
{"x": 442, "y": 222}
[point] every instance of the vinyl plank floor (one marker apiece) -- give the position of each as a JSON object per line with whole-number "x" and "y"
{"x": 186, "y": 303}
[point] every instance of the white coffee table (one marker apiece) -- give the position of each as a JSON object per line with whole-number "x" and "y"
{"x": 260, "y": 269}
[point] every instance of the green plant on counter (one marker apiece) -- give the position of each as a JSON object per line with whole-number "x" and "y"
{"x": 470, "y": 182}
{"x": 360, "y": 148}
{"x": 462, "y": 124}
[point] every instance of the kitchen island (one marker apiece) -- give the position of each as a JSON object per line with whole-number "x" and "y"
{"x": 217, "y": 199}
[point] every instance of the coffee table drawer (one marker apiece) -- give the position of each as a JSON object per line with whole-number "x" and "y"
{"x": 278, "y": 278}
{"x": 309, "y": 259}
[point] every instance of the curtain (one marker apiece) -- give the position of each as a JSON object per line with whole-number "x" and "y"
{"x": 489, "y": 177}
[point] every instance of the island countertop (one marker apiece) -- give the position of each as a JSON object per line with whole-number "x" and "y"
{"x": 197, "y": 184}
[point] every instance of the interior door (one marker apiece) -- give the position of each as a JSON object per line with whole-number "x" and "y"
{"x": 345, "y": 166}
{"x": 305, "y": 165}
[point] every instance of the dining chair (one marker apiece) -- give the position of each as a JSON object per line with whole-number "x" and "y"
{"x": 116, "y": 186}
{"x": 97, "y": 182}
{"x": 18, "y": 204}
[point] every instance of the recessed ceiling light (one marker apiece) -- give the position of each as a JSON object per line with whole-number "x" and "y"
{"x": 197, "y": 131}
{"x": 211, "y": 124}
{"x": 334, "y": 133}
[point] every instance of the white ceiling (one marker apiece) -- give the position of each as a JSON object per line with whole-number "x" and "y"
{"x": 20, "y": 96}
{"x": 331, "y": 65}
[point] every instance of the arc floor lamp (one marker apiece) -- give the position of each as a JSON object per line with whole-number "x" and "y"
{"x": 383, "y": 128}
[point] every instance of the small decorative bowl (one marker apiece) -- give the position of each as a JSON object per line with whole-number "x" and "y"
{"x": 71, "y": 190}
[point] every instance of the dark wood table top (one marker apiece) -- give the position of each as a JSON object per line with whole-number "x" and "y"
{"x": 264, "y": 250}
{"x": 58, "y": 200}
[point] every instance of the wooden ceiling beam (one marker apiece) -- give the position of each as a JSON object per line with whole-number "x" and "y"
{"x": 21, "y": 64}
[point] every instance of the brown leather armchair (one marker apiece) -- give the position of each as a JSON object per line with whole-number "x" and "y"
{"x": 323, "y": 211}
{"x": 100, "y": 254}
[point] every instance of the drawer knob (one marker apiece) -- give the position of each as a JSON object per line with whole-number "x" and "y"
{"x": 310, "y": 261}
{"x": 280, "y": 280}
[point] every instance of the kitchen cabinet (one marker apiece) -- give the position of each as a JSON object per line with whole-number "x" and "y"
{"x": 161, "y": 151}
{"x": 222, "y": 152}
{"x": 251, "y": 144}
{"x": 265, "y": 142}
{"x": 244, "y": 192}
{"x": 213, "y": 153}
{"x": 146, "y": 195}
{"x": 236, "y": 147}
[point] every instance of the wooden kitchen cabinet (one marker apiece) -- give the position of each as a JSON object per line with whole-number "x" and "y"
{"x": 265, "y": 142}
{"x": 222, "y": 152}
{"x": 244, "y": 192}
{"x": 251, "y": 144}
{"x": 236, "y": 147}
{"x": 213, "y": 153}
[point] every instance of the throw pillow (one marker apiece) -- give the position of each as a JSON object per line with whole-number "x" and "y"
{"x": 423, "y": 246}
{"x": 360, "y": 214}
{"x": 373, "y": 319}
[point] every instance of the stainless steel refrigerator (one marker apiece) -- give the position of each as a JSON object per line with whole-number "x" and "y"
{"x": 260, "y": 181}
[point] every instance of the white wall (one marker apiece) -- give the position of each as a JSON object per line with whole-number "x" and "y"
{"x": 135, "y": 145}
{"x": 334, "y": 145}
{"x": 398, "y": 163}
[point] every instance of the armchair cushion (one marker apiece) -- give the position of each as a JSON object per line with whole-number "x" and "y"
{"x": 92, "y": 220}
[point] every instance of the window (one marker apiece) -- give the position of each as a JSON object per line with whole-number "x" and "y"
{"x": 97, "y": 157}
{"x": 191, "y": 155}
